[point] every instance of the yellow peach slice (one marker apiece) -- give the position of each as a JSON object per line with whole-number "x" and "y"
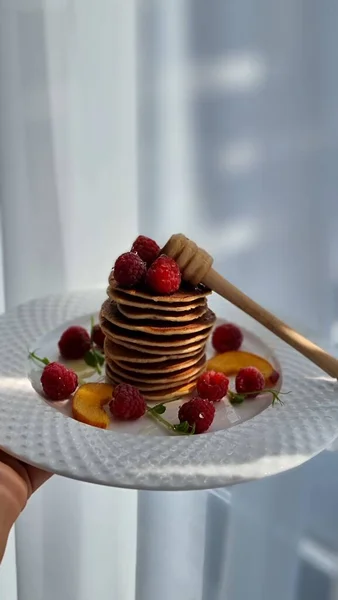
{"x": 88, "y": 402}
{"x": 230, "y": 363}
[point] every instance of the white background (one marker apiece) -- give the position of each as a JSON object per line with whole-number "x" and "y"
{"x": 218, "y": 119}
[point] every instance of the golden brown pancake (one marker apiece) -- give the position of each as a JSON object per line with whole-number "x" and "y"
{"x": 167, "y": 395}
{"x": 159, "y": 376}
{"x": 185, "y": 294}
{"x": 138, "y": 357}
{"x": 161, "y": 352}
{"x": 144, "y": 340}
{"x": 166, "y": 366}
{"x": 156, "y": 343}
{"x": 149, "y": 387}
{"x": 163, "y": 395}
{"x": 111, "y": 313}
{"x": 126, "y": 299}
{"x": 135, "y": 313}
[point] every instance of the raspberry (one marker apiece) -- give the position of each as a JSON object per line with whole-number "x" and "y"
{"x": 164, "y": 276}
{"x": 129, "y": 269}
{"x": 274, "y": 377}
{"x": 97, "y": 336}
{"x": 198, "y": 412}
{"x": 227, "y": 337}
{"x": 146, "y": 248}
{"x": 58, "y": 382}
{"x": 74, "y": 343}
{"x": 128, "y": 403}
{"x": 212, "y": 385}
{"x": 250, "y": 380}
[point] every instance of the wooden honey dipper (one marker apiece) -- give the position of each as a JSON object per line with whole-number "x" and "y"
{"x": 196, "y": 267}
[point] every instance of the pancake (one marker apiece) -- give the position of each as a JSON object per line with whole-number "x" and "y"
{"x": 147, "y": 383}
{"x": 167, "y": 395}
{"x": 150, "y": 387}
{"x": 135, "y": 313}
{"x": 132, "y": 355}
{"x": 121, "y": 297}
{"x": 156, "y": 343}
{"x": 111, "y": 313}
{"x": 160, "y": 352}
{"x": 160, "y": 343}
{"x": 159, "y": 376}
{"x": 186, "y": 293}
{"x": 166, "y": 366}
{"x": 163, "y": 395}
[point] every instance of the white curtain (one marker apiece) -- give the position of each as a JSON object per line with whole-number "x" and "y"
{"x": 69, "y": 205}
{"x": 218, "y": 119}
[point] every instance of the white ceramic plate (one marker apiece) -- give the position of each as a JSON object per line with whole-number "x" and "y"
{"x": 245, "y": 442}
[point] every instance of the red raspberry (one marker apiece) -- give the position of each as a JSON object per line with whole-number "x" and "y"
{"x": 97, "y": 336}
{"x": 213, "y": 386}
{"x": 128, "y": 403}
{"x": 146, "y": 248}
{"x": 164, "y": 276}
{"x": 274, "y": 377}
{"x": 74, "y": 343}
{"x": 129, "y": 269}
{"x": 227, "y": 337}
{"x": 250, "y": 380}
{"x": 199, "y": 412}
{"x": 58, "y": 382}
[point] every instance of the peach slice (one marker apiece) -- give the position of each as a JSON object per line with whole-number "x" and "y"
{"x": 230, "y": 363}
{"x": 88, "y": 402}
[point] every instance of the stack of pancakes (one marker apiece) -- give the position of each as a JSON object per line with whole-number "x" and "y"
{"x": 156, "y": 343}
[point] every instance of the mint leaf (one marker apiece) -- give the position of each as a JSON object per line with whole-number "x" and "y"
{"x": 94, "y": 359}
{"x": 239, "y": 398}
{"x": 159, "y": 409}
{"x": 99, "y": 357}
{"x": 44, "y": 360}
{"x": 90, "y": 359}
{"x": 236, "y": 398}
{"x": 183, "y": 427}
{"x": 180, "y": 429}
{"x": 276, "y": 396}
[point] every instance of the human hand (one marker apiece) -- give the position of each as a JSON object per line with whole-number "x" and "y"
{"x": 18, "y": 481}
{"x": 22, "y": 479}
